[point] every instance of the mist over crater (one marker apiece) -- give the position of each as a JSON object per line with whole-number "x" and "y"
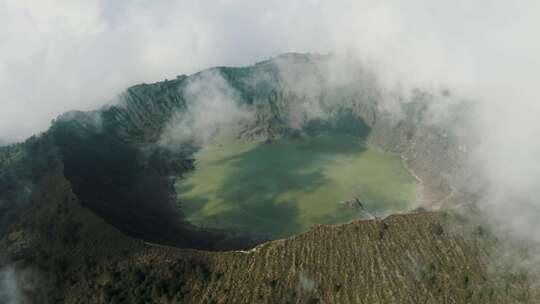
{"x": 262, "y": 151}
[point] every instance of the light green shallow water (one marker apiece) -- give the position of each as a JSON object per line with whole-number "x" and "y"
{"x": 283, "y": 188}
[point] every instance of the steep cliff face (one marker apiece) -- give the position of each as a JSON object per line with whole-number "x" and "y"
{"x": 435, "y": 151}
{"x": 142, "y": 111}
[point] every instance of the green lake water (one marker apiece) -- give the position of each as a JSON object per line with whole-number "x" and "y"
{"x": 284, "y": 188}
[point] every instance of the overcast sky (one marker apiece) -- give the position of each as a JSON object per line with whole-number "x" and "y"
{"x": 62, "y": 55}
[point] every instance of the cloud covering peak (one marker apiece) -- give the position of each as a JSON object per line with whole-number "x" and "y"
{"x": 63, "y": 55}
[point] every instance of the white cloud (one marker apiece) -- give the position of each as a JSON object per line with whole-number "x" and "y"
{"x": 9, "y": 289}
{"x": 62, "y": 55}
{"x": 59, "y": 55}
{"x": 212, "y": 105}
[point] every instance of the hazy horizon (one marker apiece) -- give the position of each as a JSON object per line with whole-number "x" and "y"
{"x": 58, "y": 56}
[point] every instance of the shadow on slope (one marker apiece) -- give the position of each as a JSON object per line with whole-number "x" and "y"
{"x": 132, "y": 189}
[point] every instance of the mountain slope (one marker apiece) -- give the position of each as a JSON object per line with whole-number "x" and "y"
{"x": 88, "y": 207}
{"x": 415, "y": 258}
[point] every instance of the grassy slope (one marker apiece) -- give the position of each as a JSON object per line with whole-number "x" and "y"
{"x": 413, "y": 258}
